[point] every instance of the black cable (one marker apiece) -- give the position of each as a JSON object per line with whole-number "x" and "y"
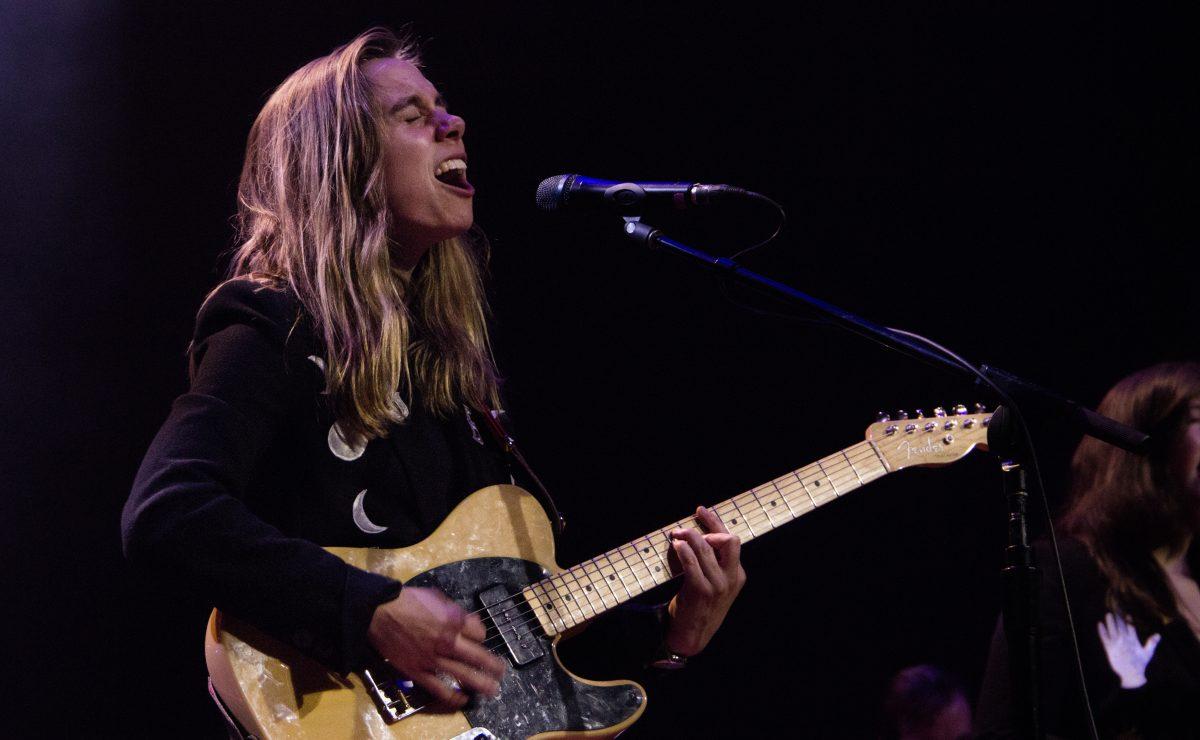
{"x": 1037, "y": 472}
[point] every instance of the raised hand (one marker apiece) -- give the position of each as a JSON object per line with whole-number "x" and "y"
{"x": 430, "y": 639}
{"x": 712, "y": 578}
{"x": 1126, "y": 653}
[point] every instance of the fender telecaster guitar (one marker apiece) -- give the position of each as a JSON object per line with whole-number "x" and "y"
{"x": 494, "y": 554}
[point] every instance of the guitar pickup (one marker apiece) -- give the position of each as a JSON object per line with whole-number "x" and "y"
{"x": 514, "y": 621}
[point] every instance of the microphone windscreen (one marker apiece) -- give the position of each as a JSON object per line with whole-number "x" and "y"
{"x": 550, "y": 194}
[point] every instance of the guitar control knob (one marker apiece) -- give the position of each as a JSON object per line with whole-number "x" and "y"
{"x": 929, "y": 427}
{"x": 960, "y": 410}
{"x": 882, "y": 416}
{"x": 939, "y": 411}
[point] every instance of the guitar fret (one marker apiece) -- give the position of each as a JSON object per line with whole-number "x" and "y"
{"x": 783, "y": 496}
{"x": 632, "y": 568}
{"x": 742, "y": 516}
{"x": 615, "y": 576}
{"x": 804, "y": 485}
{"x": 827, "y": 479}
{"x": 854, "y": 470}
{"x": 585, "y": 591}
{"x": 882, "y": 462}
{"x": 757, "y": 500}
{"x": 544, "y": 605}
{"x": 598, "y": 571}
{"x": 578, "y": 617}
{"x": 640, "y": 549}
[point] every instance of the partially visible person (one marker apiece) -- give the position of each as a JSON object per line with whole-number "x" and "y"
{"x": 923, "y": 702}
{"x": 1130, "y": 560}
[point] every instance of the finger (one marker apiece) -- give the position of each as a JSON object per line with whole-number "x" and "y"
{"x": 442, "y": 694}
{"x": 728, "y": 550}
{"x": 473, "y": 628}
{"x": 473, "y": 653}
{"x": 1104, "y": 634}
{"x": 1111, "y": 623}
{"x": 710, "y": 521}
{"x": 470, "y": 677}
{"x": 705, "y": 556}
{"x": 693, "y": 574}
{"x": 1151, "y": 644}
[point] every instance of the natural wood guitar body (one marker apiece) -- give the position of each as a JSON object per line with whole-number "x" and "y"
{"x": 277, "y": 692}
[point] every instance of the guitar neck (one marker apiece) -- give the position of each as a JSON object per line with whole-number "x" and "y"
{"x": 591, "y": 588}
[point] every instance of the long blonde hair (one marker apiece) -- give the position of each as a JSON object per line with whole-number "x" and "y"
{"x": 313, "y": 217}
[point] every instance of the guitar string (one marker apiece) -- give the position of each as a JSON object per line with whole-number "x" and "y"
{"x": 529, "y": 613}
{"x": 795, "y": 483}
{"x": 863, "y": 451}
{"x": 832, "y": 473}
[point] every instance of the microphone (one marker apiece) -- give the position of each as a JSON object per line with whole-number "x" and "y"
{"x": 575, "y": 192}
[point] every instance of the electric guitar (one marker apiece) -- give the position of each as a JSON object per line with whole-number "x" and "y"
{"x": 494, "y": 555}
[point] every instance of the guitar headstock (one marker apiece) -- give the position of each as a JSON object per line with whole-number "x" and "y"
{"x": 940, "y": 439}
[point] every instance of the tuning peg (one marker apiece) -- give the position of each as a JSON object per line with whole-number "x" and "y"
{"x": 920, "y": 413}
{"x": 939, "y": 411}
{"x": 980, "y": 408}
{"x": 882, "y": 416}
{"x": 960, "y": 410}
{"x": 901, "y": 414}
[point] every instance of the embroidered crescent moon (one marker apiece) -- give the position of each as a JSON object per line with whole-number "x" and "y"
{"x": 320, "y": 366}
{"x": 401, "y": 406}
{"x": 342, "y": 448}
{"x": 360, "y": 516}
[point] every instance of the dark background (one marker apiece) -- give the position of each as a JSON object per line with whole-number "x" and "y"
{"x": 1015, "y": 182}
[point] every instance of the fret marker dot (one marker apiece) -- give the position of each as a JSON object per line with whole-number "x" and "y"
{"x": 657, "y": 568}
{"x": 645, "y": 549}
{"x": 817, "y": 483}
{"x": 612, "y": 578}
{"x": 549, "y": 605}
{"x": 587, "y": 588}
{"x": 772, "y": 503}
{"x": 733, "y": 521}
{"x": 568, "y": 597}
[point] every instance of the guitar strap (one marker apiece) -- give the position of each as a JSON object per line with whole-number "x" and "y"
{"x": 508, "y": 445}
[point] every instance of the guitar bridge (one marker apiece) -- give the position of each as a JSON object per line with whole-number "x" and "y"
{"x": 394, "y": 696}
{"x": 510, "y": 614}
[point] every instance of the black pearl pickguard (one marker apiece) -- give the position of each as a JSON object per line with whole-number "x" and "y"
{"x": 539, "y": 696}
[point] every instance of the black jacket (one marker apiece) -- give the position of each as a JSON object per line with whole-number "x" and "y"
{"x": 1167, "y": 706}
{"x": 247, "y": 474}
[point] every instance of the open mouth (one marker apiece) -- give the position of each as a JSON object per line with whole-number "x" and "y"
{"x": 453, "y": 172}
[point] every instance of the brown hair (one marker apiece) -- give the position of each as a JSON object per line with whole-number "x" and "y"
{"x": 313, "y": 218}
{"x": 1125, "y": 505}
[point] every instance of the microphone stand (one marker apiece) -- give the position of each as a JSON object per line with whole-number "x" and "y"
{"x": 1021, "y": 576}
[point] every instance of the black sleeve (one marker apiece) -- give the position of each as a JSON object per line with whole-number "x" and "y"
{"x": 187, "y": 520}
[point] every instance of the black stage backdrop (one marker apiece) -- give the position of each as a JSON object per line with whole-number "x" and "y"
{"x": 1018, "y": 183}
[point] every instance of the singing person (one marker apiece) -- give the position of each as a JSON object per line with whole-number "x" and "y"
{"x": 332, "y": 380}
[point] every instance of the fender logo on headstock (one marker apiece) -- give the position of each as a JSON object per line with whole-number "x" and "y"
{"x": 910, "y": 450}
